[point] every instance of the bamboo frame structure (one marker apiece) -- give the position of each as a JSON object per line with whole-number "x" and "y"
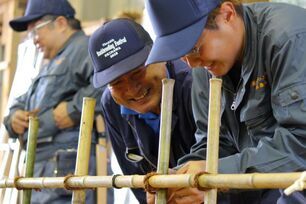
{"x": 214, "y": 120}
{"x": 31, "y": 154}
{"x": 165, "y": 135}
{"x": 83, "y": 154}
{"x": 220, "y": 181}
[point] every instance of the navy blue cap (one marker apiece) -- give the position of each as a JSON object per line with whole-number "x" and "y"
{"x": 117, "y": 47}
{"x": 177, "y": 24}
{"x": 39, "y": 8}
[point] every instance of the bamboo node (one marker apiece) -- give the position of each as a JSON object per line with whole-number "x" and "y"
{"x": 114, "y": 180}
{"x": 197, "y": 183}
{"x": 147, "y": 187}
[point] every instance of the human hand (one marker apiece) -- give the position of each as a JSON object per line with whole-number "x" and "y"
{"x": 150, "y": 198}
{"x": 20, "y": 120}
{"x": 187, "y": 195}
{"x": 61, "y": 116}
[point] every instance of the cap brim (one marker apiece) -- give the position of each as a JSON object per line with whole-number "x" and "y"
{"x": 128, "y": 64}
{"x": 176, "y": 45}
{"x": 21, "y": 24}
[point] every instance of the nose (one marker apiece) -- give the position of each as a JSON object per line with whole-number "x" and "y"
{"x": 132, "y": 87}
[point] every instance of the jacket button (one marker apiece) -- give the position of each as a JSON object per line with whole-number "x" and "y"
{"x": 294, "y": 95}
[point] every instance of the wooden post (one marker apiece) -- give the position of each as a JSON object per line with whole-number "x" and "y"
{"x": 214, "y": 117}
{"x": 165, "y": 135}
{"x": 30, "y": 155}
{"x": 83, "y": 154}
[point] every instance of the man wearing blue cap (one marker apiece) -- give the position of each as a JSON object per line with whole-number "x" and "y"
{"x": 131, "y": 102}
{"x": 56, "y": 94}
{"x": 259, "y": 50}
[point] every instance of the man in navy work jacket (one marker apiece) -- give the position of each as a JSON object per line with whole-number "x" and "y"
{"x": 56, "y": 94}
{"x": 131, "y": 102}
{"x": 259, "y": 50}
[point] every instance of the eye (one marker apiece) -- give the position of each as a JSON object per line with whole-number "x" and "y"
{"x": 115, "y": 83}
{"x": 137, "y": 74}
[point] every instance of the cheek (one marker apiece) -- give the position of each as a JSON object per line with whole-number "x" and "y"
{"x": 117, "y": 96}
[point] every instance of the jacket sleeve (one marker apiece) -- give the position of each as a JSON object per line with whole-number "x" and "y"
{"x": 285, "y": 150}
{"x": 116, "y": 127}
{"x": 18, "y": 104}
{"x": 83, "y": 76}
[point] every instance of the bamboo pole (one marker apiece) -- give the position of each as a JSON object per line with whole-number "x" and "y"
{"x": 83, "y": 154}
{"x": 212, "y": 152}
{"x": 222, "y": 181}
{"x": 165, "y": 135}
{"x": 30, "y": 154}
{"x": 101, "y": 159}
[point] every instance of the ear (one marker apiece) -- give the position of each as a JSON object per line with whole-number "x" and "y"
{"x": 227, "y": 12}
{"x": 61, "y": 22}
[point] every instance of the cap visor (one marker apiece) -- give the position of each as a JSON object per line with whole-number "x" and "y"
{"x": 176, "y": 45}
{"x": 128, "y": 64}
{"x": 21, "y": 24}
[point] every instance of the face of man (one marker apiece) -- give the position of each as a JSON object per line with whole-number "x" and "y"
{"x": 140, "y": 89}
{"x": 218, "y": 49}
{"x": 45, "y": 36}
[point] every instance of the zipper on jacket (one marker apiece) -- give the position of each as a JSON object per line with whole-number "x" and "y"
{"x": 141, "y": 150}
{"x": 234, "y": 102}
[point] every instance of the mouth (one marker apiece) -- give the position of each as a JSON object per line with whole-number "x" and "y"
{"x": 141, "y": 97}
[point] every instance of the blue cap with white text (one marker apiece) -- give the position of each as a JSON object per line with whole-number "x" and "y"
{"x": 117, "y": 47}
{"x": 177, "y": 24}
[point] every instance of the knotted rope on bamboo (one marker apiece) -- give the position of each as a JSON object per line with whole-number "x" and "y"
{"x": 15, "y": 183}
{"x": 69, "y": 188}
{"x": 114, "y": 181}
{"x": 298, "y": 185}
{"x": 147, "y": 187}
{"x": 196, "y": 181}
{"x": 21, "y": 188}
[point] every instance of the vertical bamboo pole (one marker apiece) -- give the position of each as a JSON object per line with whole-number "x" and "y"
{"x": 214, "y": 117}
{"x": 83, "y": 155}
{"x": 165, "y": 135}
{"x": 30, "y": 155}
{"x": 101, "y": 159}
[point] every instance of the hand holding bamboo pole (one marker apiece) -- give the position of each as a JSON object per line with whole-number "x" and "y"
{"x": 83, "y": 154}
{"x": 165, "y": 135}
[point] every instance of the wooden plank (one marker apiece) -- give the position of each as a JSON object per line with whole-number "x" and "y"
{"x": 5, "y": 166}
{"x": 13, "y": 173}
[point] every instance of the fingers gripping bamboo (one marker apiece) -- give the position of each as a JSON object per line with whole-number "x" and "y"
{"x": 83, "y": 155}
{"x": 212, "y": 154}
{"x": 165, "y": 135}
{"x": 30, "y": 155}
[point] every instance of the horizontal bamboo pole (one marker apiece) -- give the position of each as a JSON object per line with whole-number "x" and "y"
{"x": 223, "y": 181}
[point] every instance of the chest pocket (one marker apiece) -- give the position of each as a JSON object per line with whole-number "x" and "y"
{"x": 56, "y": 80}
{"x": 257, "y": 115}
